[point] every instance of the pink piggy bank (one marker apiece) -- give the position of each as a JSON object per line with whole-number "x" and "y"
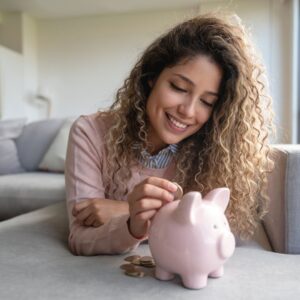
{"x": 191, "y": 237}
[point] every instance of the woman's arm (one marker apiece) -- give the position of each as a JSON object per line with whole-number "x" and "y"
{"x": 96, "y": 212}
{"x": 84, "y": 180}
{"x": 113, "y": 237}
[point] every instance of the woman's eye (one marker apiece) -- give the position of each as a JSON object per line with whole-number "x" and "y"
{"x": 177, "y": 88}
{"x": 206, "y": 103}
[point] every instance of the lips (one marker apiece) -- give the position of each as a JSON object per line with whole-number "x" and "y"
{"x": 176, "y": 123}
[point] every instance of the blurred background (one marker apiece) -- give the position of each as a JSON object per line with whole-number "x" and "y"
{"x": 64, "y": 58}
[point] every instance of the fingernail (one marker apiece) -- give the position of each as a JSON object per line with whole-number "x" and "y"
{"x": 173, "y": 187}
{"x": 171, "y": 197}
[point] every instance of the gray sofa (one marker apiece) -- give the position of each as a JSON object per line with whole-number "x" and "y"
{"x": 23, "y": 186}
{"x": 35, "y": 262}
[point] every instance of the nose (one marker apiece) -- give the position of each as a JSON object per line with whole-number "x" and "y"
{"x": 226, "y": 245}
{"x": 187, "y": 108}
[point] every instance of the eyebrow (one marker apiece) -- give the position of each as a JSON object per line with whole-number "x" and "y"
{"x": 192, "y": 83}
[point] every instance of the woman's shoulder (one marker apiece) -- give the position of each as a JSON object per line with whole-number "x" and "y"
{"x": 94, "y": 125}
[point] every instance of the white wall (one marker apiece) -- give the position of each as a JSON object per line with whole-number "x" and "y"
{"x": 34, "y": 110}
{"x": 82, "y": 61}
{"x": 11, "y": 84}
{"x": 19, "y": 67}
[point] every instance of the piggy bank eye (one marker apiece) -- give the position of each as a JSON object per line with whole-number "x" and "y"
{"x": 215, "y": 226}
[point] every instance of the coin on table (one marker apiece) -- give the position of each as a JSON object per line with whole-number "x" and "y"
{"x": 147, "y": 261}
{"x": 136, "y": 261}
{"x": 132, "y": 257}
{"x": 146, "y": 258}
{"x": 135, "y": 273}
{"x": 179, "y": 193}
{"x": 150, "y": 266}
{"x": 128, "y": 267}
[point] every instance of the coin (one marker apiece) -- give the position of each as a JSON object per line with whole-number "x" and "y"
{"x": 138, "y": 266}
{"x": 147, "y": 261}
{"x": 136, "y": 261}
{"x": 132, "y": 257}
{"x": 135, "y": 273}
{"x": 128, "y": 267}
{"x": 179, "y": 193}
{"x": 148, "y": 266}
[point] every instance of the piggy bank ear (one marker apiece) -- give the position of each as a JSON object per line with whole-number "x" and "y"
{"x": 186, "y": 211}
{"x": 219, "y": 196}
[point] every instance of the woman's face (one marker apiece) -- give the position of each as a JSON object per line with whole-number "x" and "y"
{"x": 181, "y": 100}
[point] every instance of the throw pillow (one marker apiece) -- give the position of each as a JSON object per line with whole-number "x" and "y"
{"x": 54, "y": 159}
{"x": 35, "y": 140}
{"x": 11, "y": 129}
{"x": 9, "y": 158}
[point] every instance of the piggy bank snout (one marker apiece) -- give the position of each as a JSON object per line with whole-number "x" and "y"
{"x": 226, "y": 245}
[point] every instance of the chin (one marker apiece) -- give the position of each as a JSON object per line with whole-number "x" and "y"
{"x": 171, "y": 141}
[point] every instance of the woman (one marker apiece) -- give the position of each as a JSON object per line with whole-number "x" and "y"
{"x": 192, "y": 111}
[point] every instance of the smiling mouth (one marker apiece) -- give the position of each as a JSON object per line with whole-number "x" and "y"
{"x": 176, "y": 123}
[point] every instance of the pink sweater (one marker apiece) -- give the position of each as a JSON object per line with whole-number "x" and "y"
{"x": 84, "y": 169}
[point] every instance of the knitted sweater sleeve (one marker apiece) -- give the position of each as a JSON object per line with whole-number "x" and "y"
{"x": 84, "y": 180}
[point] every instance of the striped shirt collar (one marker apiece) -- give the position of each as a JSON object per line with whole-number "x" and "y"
{"x": 159, "y": 160}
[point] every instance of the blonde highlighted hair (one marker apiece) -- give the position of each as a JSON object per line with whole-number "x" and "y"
{"x": 232, "y": 148}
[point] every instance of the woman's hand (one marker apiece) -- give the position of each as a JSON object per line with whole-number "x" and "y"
{"x": 96, "y": 212}
{"x": 144, "y": 201}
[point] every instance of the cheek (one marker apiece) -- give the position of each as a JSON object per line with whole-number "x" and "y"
{"x": 165, "y": 97}
{"x": 203, "y": 116}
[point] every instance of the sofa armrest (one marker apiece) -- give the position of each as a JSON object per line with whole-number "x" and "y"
{"x": 282, "y": 222}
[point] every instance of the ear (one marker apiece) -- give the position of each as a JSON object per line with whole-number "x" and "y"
{"x": 219, "y": 196}
{"x": 186, "y": 212}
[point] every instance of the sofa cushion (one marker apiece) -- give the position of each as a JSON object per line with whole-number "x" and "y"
{"x": 38, "y": 265}
{"x": 282, "y": 223}
{"x": 11, "y": 129}
{"x": 24, "y": 192}
{"x": 34, "y": 141}
{"x": 54, "y": 158}
{"x": 9, "y": 158}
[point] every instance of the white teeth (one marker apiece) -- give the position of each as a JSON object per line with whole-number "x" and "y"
{"x": 176, "y": 123}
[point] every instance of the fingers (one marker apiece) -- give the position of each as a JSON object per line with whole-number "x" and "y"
{"x": 97, "y": 224}
{"x": 84, "y": 214}
{"x": 149, "y": 190}
{"x": 161, "y": 183}
{"x": 146, "y": 215}
{"x": 146, "y": 205}
{"x": 93, "y": 221}
{"x": 145, "y": 200}
{"x": 89, "y": 220}
{"x": 80, "y": 206}
{"x": 156, "y": 188}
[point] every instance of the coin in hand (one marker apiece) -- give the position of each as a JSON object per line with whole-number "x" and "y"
{"x": 179, "y": 193}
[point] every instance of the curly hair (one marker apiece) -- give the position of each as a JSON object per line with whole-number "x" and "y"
{"x": 232, "y": 148}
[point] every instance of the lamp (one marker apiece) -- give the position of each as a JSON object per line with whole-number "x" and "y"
{"x": 46, "y": 101}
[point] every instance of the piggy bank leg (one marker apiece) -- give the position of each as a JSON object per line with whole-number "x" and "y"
{"x": 163, "y": 274}
{"x": 194, "y": 281}
{"x": 217, "y": 273}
